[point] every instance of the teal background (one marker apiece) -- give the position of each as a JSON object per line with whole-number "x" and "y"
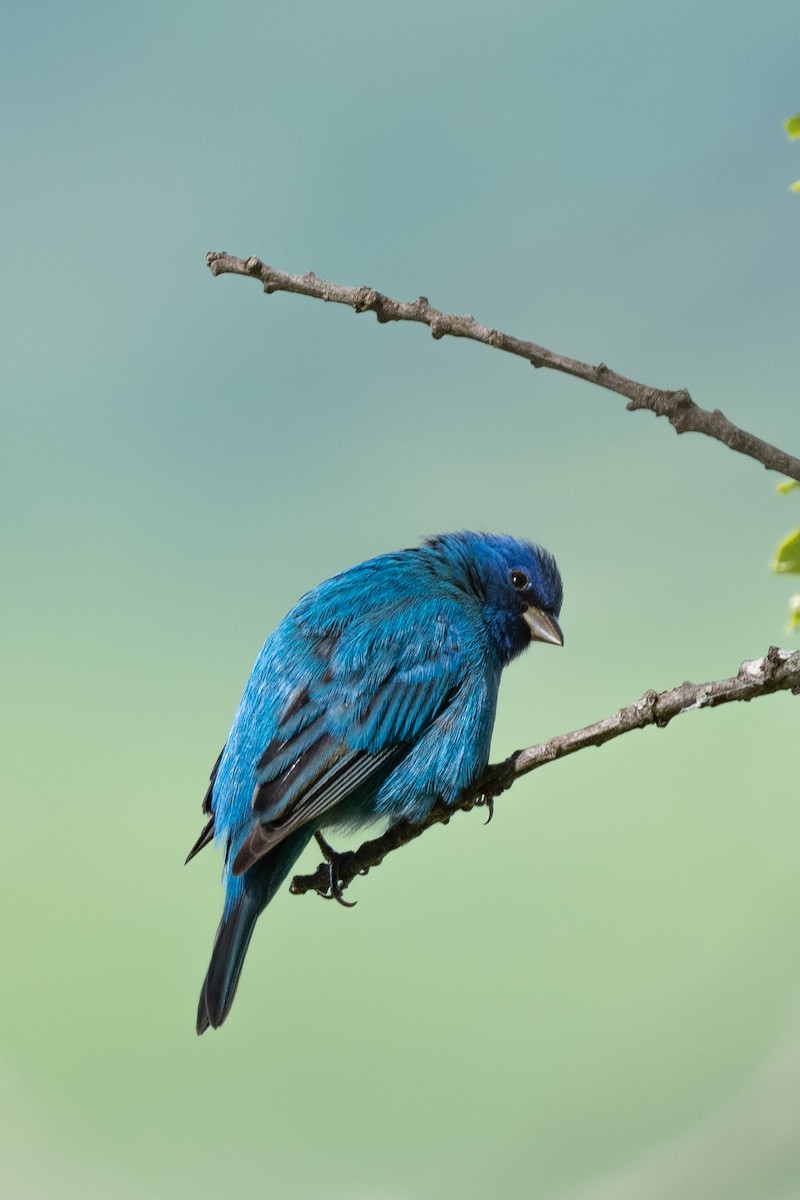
{"x": 599, "y": 995}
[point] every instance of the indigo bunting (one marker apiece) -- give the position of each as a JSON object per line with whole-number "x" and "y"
{"x": 374, "y": 697}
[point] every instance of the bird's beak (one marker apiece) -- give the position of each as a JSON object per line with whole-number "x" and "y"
{"x": 543, "y": 627}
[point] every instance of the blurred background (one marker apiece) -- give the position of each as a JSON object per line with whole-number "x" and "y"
{"x": 599, "y": 995}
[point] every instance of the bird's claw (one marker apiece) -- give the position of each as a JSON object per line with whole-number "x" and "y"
{"x": 486, "y": 802}
{"x": 335, "y": 889}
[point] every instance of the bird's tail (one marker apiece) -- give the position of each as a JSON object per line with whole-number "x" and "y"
{"x": 236, "y": 928}
{"x": 227, "y": 959}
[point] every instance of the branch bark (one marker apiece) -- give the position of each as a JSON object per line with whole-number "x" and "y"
{"x": 778, "y": 671}
{"x": 677, "y": 406}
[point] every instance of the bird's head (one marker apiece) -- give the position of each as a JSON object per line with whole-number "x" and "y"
{"x": 516, "y": 583}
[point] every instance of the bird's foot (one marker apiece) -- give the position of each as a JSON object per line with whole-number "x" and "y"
{"x": 333, "y": 858}
{"x": 486, "y": 802}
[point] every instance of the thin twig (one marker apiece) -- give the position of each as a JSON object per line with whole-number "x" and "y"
{"x": 677, "y": 406}
{"x": 778, "y": 671}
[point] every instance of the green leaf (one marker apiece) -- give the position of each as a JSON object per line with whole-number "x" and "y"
{"x": 794, "y": 613}
{"x": 787, "y": 556}
{"x": 788, "y": 485}
{"x": 792, "y": 126}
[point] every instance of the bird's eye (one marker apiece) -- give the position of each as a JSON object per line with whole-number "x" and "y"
{"x": 519, "y": 580}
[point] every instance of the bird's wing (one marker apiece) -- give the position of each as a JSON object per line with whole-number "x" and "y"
{"x": 207, "y": 834}
{"x": 385, "y": 679}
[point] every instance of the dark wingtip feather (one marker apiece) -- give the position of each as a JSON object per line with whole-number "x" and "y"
{"x": 212, "y": 780}
{"x": 256, "y": 844}
{"x": 205, "y": 837}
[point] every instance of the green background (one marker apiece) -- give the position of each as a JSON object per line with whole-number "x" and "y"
{"x": 599, "y": 995}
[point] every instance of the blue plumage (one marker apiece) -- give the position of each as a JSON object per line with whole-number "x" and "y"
{"x": 374, "y": 696}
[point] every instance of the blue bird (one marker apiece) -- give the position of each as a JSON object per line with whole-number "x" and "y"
{"x": 374, "y": 697}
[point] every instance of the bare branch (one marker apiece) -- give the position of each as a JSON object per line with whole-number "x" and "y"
{"x": 778, "y": 671}
{"x": 677, "y": 406}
